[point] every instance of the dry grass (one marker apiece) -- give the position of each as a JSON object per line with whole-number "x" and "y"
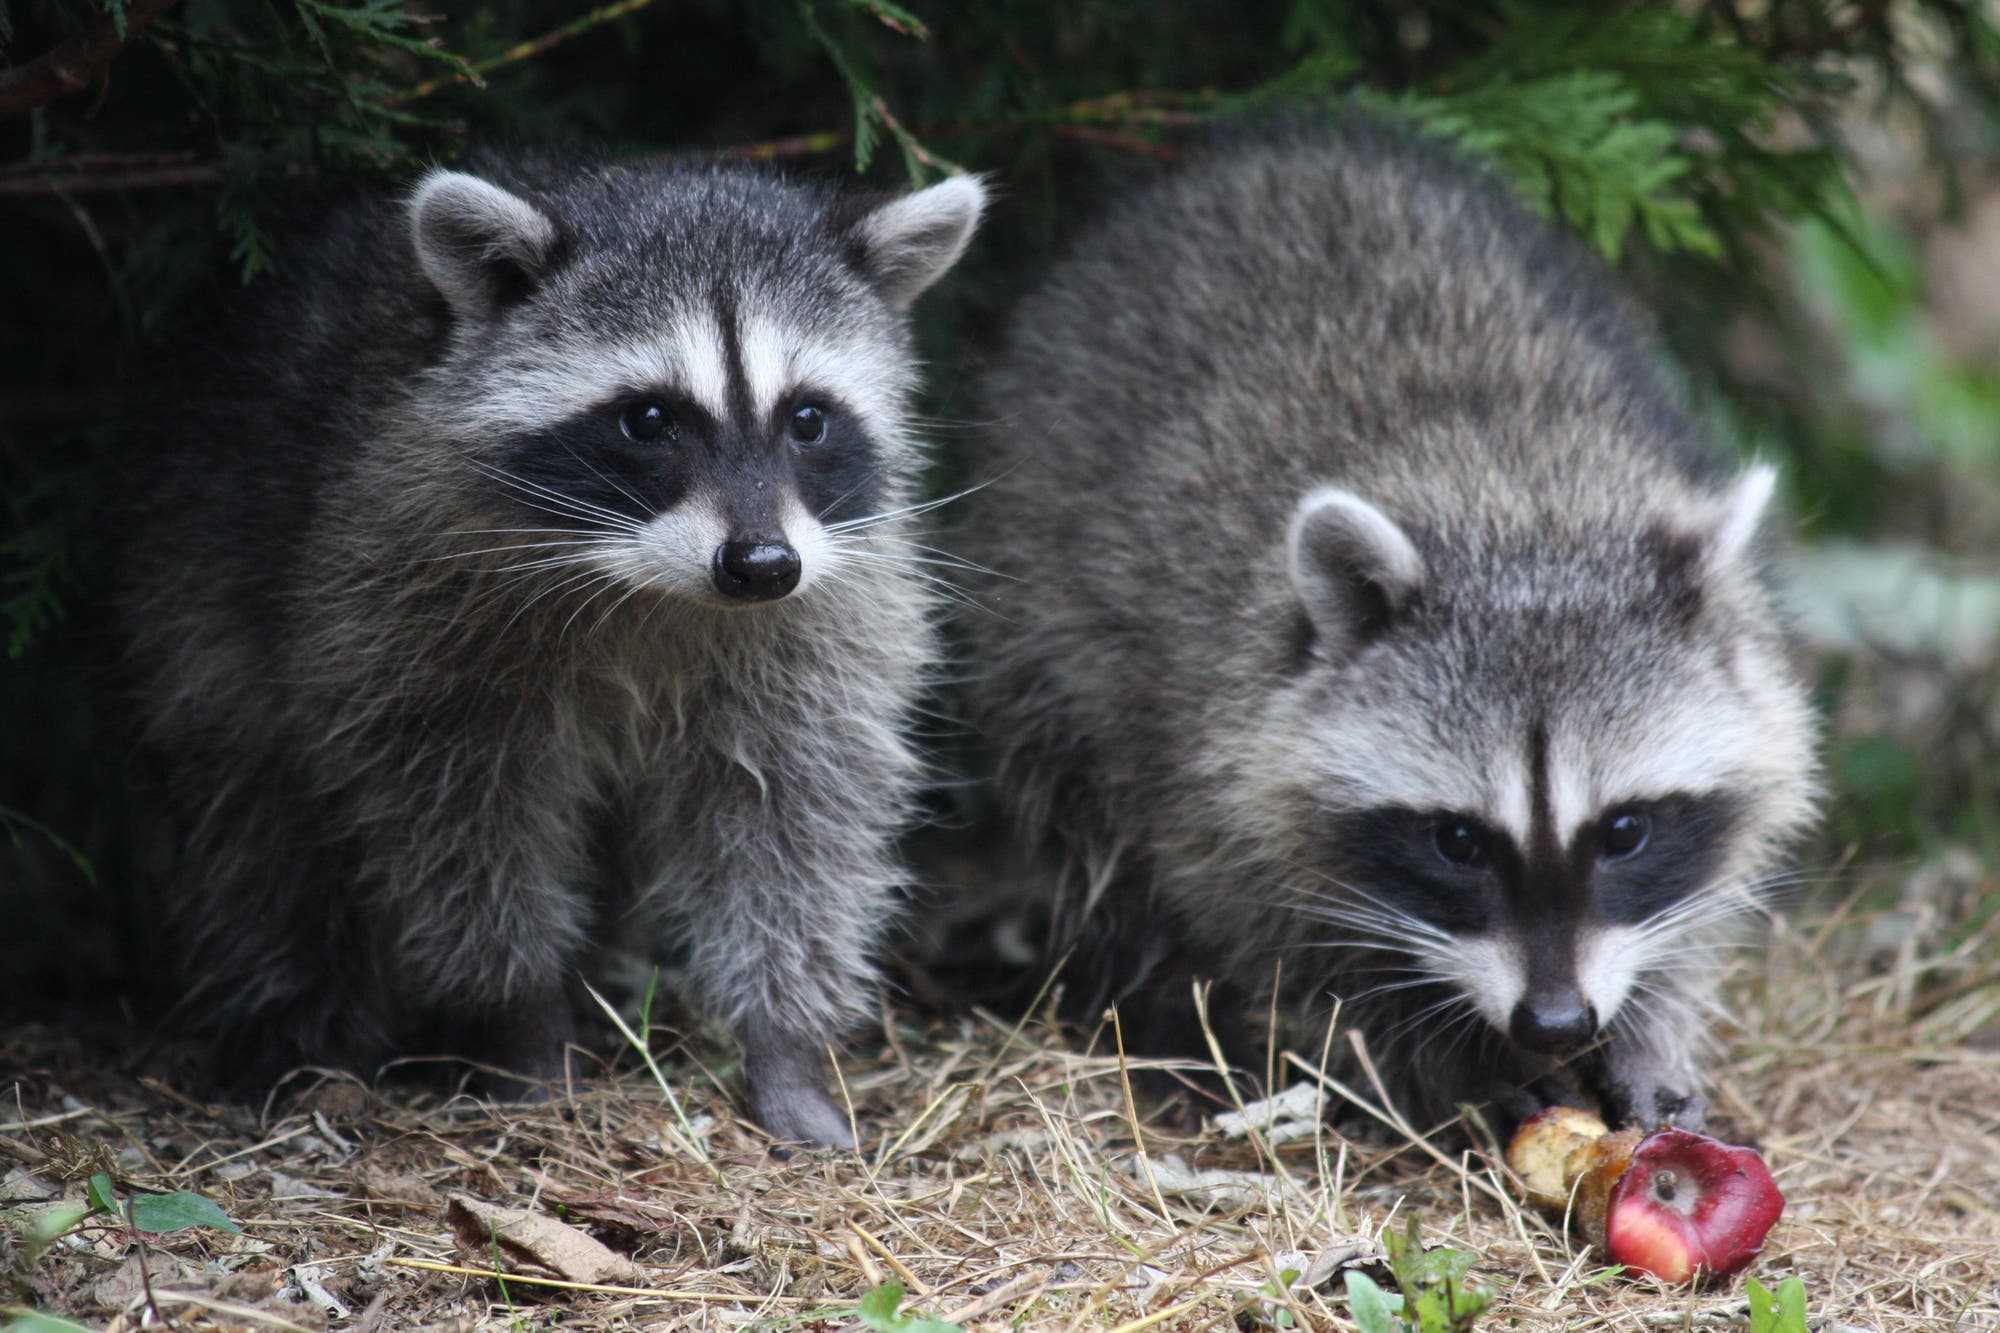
{"x": 1016, "y": 1189}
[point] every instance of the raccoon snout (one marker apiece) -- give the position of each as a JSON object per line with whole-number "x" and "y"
{"x": 1554, "y": 1023}
{"x": 755, "y": 571}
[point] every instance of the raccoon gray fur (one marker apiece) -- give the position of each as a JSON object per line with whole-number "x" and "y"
{"x": 1369, "y": 619}
{"x": 533, "y": 562}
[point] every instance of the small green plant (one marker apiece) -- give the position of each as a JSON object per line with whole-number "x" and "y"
{"x": 1783, "y": 1311}
{"x": 1432, "y": 1296}
{"x": 157, "y": 1214}
{"x": 148, "y": 1214}
{"x": 1269, "y": 1309}
{"x": 151, "y": 1214}
{"x": 880, "y": 1310}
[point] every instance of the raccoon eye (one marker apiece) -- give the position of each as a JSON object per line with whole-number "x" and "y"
{"x": 646, "y": 421}
{"x": 1459, "y": 841}
{"x": 809, "y": 425}
{"x": 1624, "y": 835}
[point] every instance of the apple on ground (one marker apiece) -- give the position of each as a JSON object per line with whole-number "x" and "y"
{"x": 1678, "y": 1205}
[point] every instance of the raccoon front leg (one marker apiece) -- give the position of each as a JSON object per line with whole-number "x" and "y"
{"x": 482, "y": 918}
{"x": 1643, "y": 1078}
{"x": 778, "y": 931}
{"x": 784, "y": 956}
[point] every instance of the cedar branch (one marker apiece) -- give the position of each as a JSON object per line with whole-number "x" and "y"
{"x": 72, "y": 63}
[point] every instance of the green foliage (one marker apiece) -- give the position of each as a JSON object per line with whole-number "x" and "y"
{"x": 871, "y": 113}
{"x": 1615, "y": 119}
{"x": 1866, "y": 281}
{"x": 300, "y": 86}
{"x": 17, "y": 824}
{"x": 156, "y": 1214}
{"x": 1268, "y": 1309}
{"x": 149, "y": 1214}
{"x": 880, "y": 1310}
{"x": 36, "y": 566}
{"x": 1433, "y": 1292}
{"x": 103, "y": 1195}
{"x": 1784, "y": 1312}
{"x": 1896, "y": 436}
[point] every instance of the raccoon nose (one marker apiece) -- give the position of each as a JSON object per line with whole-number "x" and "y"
{"x": 755, "y": 571}
{"x": 1554, "y": 1023}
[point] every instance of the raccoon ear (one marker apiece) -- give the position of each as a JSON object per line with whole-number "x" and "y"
{"x": 907, "y": 244}
{"x": 482, "y": 247}
{"x": 1353, "y": 568}
{"x": 1695, "y": 551}
{"x": 1742, "y": 515}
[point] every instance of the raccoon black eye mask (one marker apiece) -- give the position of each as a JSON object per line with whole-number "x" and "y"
{"x": 532, "y": 570}
{"x": 1370, "y": 623}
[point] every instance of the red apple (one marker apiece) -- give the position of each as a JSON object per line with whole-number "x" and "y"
{"x": 1678, "y": 1205}
{"x": 1690, "y": 1206}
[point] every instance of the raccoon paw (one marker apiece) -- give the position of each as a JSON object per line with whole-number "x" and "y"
{"x": 519, "y": 1050}
{"x": 789, "y": 1099}
{"x": 1651, "y": 1105}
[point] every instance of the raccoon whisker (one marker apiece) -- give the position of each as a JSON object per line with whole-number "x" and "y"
{"x": 950, "y": 589}
{"x": 1391, "y": 987}
{"x": 1695, "y": 1021}
{"x": 946, "y": 586}
{"x": 1440, "y": 1006}
{"x": 586, "y": 576}
{"x": 1779, "y": 889}
{"x": 495, "y": 532}
{"x": 921, "y": 507}
{"x": 559, "y": 507}
{"x": 529, "y": 568}
{"x": 605, "y": 585}
{"x": 1465, "y": 1029}
{"x": 1377, "y": 943}
{"x": 517, "y": 546}
{"x": 1685, "y": 959}
{"x": 571, "y": 506}
{"x": 1337, "y": 907}
{"x": 514, "y": 578}
{"x": 1368, "y": 935}
{"x": 1355, "y": 890}
{"x": 873, "y": 474}
{"x": 1328, "y": 905}
{"x": 574, "y": 580}
{"x": 940, "y": 561}
{"x": 1712, "y": 907}
{"x": 1678, "y": 999}
{"x": 1382, "y": 939}
{"x": 861, "y": 552}
{"x": 960, "y": 562}
{"x": 930, "y": 423}
{"x": 608, "y": 481}
{"x": 610, "y": 611}
{"x": 1462, "y": 1024}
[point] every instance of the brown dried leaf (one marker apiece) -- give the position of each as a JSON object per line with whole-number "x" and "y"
{"x": 630, "y": 1215}
{"x": 532, "y": 1240}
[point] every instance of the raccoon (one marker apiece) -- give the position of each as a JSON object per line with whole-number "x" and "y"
{"x": 1367, "y": 621}
{"x": 532, "y": 564}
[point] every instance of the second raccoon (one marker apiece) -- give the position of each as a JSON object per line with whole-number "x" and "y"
{"x": 1369, "y": 619}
